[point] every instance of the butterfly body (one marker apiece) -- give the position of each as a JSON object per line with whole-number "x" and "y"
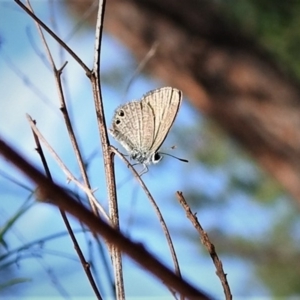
{"x": 142, "y": 126}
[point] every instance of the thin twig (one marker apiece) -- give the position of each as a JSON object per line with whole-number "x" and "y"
{"x": 12, "y": 179}
{"x": 57, "y": 76}
{"x": 156, "y": 209}
{"x": 108, "y": 162}
{"x": 61, "y": 53}
{"x": 64, "y": 168}
{"x": 96, "y": 89}
{"x": 40, "y": 241}
{"x": 59, "y": 197}
{"x": 6, "y": 262}
{"x": 84, "y": 263}
{"x": 83, "y": 18}
{"x": 54, "y": 25}
{"x": 142, "y": 64}
{"x": 207, "y": 243}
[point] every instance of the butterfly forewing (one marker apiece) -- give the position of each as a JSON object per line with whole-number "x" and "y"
{"x": 133, "y": 126}
{"x": 165, "y": 103}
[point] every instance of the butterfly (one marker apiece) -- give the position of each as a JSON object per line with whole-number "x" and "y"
{"x": 141, "y": 126}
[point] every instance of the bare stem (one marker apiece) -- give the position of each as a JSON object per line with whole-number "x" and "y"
{"x": 64, "y": 168}
{"x": 107, "y": 157}
{"x": 136, "y": 251}
{"x": 84, "y": 263}
{"x": 57, "y": 76}
{"x": 156, "y": 209}
{"x": 208, "y": 245}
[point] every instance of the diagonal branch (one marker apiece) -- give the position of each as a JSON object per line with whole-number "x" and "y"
{"x": 136, "y": 251}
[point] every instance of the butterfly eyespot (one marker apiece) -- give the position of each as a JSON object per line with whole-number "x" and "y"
{"x": 121, "y": 113}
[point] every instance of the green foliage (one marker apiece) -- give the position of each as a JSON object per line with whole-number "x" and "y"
{"x": 11, "y": 221}
{"x": 6, "y": 262}
{"x": 274, "y": 23}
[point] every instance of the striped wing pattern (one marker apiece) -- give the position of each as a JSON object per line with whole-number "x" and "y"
{"x": 142, "y": 126}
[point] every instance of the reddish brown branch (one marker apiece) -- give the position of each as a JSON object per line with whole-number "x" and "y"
{"x": 58, "y": 196}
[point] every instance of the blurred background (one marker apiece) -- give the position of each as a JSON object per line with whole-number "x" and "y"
{"x": 237, "y": 63}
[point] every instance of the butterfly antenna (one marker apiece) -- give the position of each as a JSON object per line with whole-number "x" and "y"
{"x": 142, "y": 64}
{"x": 181, "y": 159}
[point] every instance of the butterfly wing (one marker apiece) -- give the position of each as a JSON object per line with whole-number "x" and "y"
{"x": 133, "y": 127}
{"x": 164, "y": 103}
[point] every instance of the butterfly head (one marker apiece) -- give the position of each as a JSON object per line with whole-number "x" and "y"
{"x": 145, "y": 158}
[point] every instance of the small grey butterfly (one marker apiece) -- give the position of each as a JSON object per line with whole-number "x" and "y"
{"x": 142, "y": 126}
